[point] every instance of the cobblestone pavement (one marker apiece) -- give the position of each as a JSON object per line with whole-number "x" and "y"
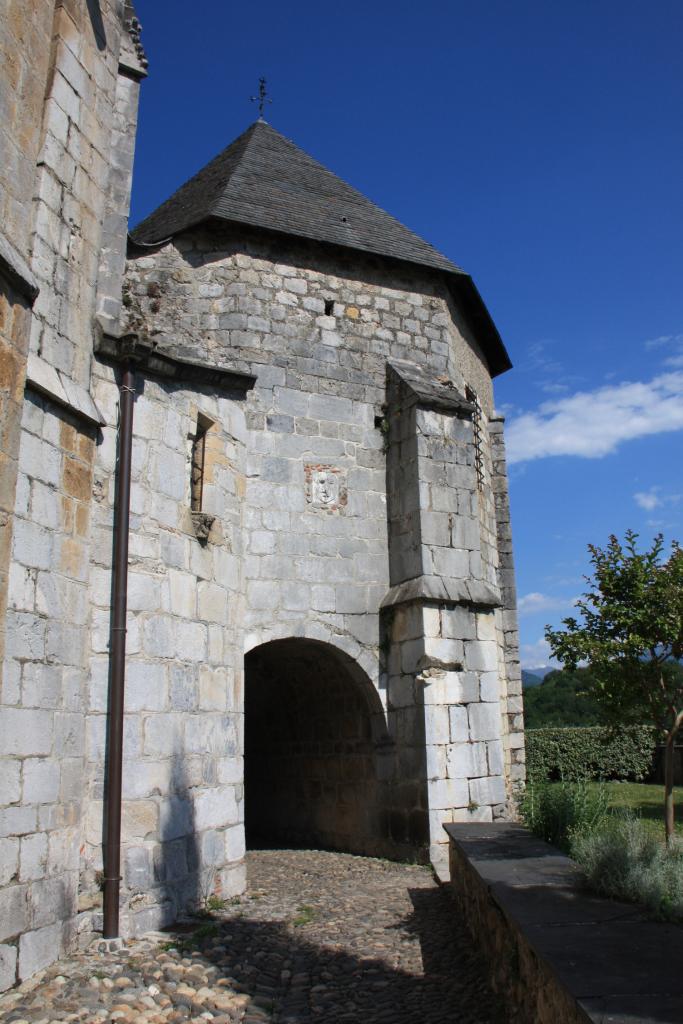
{"x": 318, "y": 937}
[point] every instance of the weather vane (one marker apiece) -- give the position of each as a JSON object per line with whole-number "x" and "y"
{"x": 262, "y": 97}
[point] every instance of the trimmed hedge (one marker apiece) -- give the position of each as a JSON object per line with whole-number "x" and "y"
{"x": 596, "y": 752}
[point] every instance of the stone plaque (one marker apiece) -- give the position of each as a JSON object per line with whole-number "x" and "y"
{"x": 325, "y": 487}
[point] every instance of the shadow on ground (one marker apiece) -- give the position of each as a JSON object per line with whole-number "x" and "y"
{"x": 293, "y": 979}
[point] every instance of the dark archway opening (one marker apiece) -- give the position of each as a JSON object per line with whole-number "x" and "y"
{"x": 314, "y": 734}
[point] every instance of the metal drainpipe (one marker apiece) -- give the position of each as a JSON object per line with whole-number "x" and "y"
{"x": 117, "y": 646}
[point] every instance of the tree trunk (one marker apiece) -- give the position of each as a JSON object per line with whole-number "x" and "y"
{"x": 669, "y": 823}
{"x": 669, "y": 751}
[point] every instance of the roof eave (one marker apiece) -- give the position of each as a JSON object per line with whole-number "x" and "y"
{"x": 481, "y": 320}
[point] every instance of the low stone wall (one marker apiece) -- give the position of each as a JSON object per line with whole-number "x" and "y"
{"x": 557, "y": 954}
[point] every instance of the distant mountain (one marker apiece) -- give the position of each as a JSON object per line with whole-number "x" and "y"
{"x": 536, "y": 675}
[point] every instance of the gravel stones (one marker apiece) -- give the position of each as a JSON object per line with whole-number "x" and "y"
{"x": 318, "y": 937}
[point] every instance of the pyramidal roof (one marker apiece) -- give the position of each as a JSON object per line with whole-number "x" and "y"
{"x": 263, "y": 180}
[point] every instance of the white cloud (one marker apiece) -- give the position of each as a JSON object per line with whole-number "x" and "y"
{"x": 673, "y": 342}
{"x": 537, "y": 655}
{"x": 648, "y": 499}
{"x": 535, "y": 602}
{"x": 653, "y": 498}
{"x": 592, "y": 424}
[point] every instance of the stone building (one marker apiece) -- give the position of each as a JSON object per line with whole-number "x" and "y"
{"x": 321, "y": 640}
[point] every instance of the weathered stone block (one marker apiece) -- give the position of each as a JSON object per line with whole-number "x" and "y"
{"x": 437, "y": 728}
{"x": 10, "y": 782}
{"x": 481, "y": 655}
{"x": 466, "y": 760}
{"x": 486, "y": 626}
{"x": 140, "y": 820}
{"x": 232, "y": 879}
{"x": 459, "y": 724}
{"x": 146, "y": 686}
{"x": 9, "y": 861}
{"x": 17, "y": 821}
{"x": 162, "y": 735}
{"x": 159, "y": 637}
{"x": 485, "y": 722}
{"x": 14, "y": 911}
{"x": 38, "y": 949}
{"x": 235, "y": 848}
{"x": 487, "y": 791}
{"x": 33, "y": 859}
{"x": 25, "y": 732}
{"x": 69, "y": 734}
{"x": 212, "y": 602}
{"x": 41, "y": 779}
{"x": 496, "y": 760}
{"x": 143, "y": 592}
{"x": 191, "y": 641}
{"x": 215, "y": 808}
{"x": 436, "y": 761}
{"x": 183, "y": 687}
{"x": 53, "y": 899}
{"x": 138, "y": 868}
{"x": 182, "y": 593}
{"x": 8, "y": 966}
{"x": 448, "y": 652}
{"x": 213, "y": 689}
{"x": 444, "y": 793}
{"x": 489, "y": 683}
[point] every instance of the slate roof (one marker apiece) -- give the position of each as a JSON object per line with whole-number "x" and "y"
{"x": 264, "y": 180}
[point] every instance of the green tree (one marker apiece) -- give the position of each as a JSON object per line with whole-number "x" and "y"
{"x": 562, "y": 699}
{"x": 631, "y": 637}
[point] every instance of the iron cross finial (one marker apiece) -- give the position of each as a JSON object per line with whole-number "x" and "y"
{"x": 262, "y": 97}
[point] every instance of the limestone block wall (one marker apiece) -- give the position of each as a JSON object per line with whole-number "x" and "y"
{"x": 183, "y": 739}
{"x": 71, "y": 183}
{"x": 42, "y": 725}
{"x": 318, "y": 329}
{"x": 63, "y": 62}
{"x": 25, "y": 32}
{"x": 444, "y": 685}
{"x": 510, "y": 668}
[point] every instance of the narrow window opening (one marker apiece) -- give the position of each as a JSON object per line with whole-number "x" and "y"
{"x": 329, "y": 307}
{"x": 197, "y": 463}
{"x": 478, "y": 432}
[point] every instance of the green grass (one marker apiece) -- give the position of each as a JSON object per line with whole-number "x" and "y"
{"x": 305, "y": 914}
{"x": 647, "y": 802}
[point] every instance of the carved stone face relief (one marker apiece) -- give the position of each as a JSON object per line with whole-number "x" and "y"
{"x": 325, "y": 488}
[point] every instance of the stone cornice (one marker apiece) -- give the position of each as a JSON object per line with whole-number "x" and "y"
{"x": 167, "y": 364}
{"x": 444, "y": 591}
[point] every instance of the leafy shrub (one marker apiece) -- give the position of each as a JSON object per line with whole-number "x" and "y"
{"x": 598, "y": 752}
{"x": 624, "y": 861}
{"x": 558, "y": 812}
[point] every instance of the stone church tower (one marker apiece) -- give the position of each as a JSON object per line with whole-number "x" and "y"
{"x": 317, "y": 595}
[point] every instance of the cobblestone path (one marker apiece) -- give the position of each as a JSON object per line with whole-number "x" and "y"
{"x": 319, "y": 937}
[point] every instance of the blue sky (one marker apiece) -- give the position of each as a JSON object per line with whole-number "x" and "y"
{"x": 538, "y": 145}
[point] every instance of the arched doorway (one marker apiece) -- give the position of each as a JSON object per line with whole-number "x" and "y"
{"x": 314, "y": 745}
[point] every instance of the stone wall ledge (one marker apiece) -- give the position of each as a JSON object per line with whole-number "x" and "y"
{"x": 444, "y": 590}
{"x": 556, "y": 954}
{"x": 48, "y": 381}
